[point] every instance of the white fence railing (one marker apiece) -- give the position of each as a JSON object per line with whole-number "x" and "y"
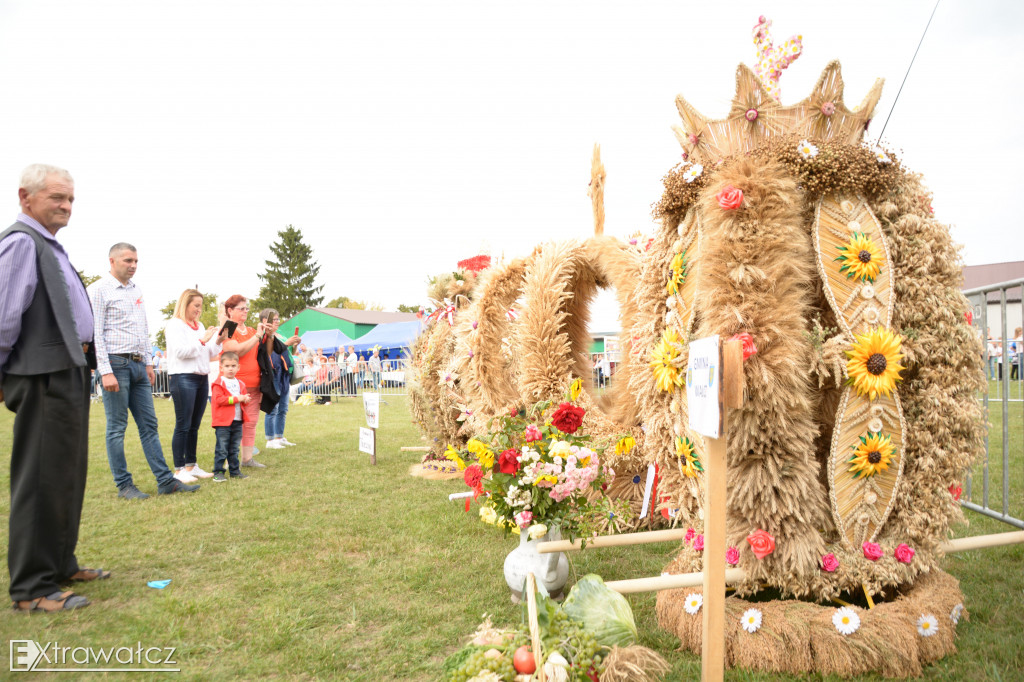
{"x": 1003, "y": 403}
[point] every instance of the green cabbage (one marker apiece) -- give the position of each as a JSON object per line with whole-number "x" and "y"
{"x": 603, "y": 611}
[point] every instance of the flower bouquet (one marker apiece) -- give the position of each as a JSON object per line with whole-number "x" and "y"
{"x": 539, "y": 472}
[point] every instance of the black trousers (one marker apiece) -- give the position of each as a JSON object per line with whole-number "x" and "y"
{"x": 49, "y": 463}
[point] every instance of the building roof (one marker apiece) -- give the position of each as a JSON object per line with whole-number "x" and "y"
{"x": 995, "y": 273}
{"x": 366, "y": 316}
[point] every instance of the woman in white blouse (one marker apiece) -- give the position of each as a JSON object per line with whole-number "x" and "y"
{"x": 190, "y": 348}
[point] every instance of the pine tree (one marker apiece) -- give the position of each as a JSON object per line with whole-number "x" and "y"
{"x": 288, "y": 283}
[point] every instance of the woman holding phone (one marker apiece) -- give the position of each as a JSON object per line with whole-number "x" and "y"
{"x": 190, "y": 348}
{"x": 276, "y": 377}
{"x": 245, "y": 341}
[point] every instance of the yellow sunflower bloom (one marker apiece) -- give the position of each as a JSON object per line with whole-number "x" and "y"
{"x": 575, "y": 388}
{"x": 453, "y": 454}
{"x": 872, "y": 455}
{"x": 625, "y": 445}
{"x": 688, "y": 462}
{"x": 873, "y": 363}
{"x": 861, "y": 258}
{"x": 484, "y": 454}
{"x": 666, "y": 375}
{"x": 677, "y": 274}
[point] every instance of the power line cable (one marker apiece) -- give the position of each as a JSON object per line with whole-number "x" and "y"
{"x": 908, "y": 70}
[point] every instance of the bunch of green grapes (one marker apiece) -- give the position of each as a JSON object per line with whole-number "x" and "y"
{"x": 577, "y": 645}
{"x": 476, "y": 663}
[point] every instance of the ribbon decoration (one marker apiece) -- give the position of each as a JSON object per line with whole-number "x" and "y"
{"x": 512, "y": 314}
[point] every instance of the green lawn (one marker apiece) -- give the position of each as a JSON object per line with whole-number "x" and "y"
{"x": 325, "y": 567}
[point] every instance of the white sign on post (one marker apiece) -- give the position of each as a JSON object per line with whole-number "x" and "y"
{"x": 367, "y": 442}
{"x": 371, "y": 405}
{"x": 704, "y": 386}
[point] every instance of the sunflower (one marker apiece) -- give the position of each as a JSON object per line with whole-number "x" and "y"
{"x": 873, "y": 365}
{"x": 484, "y": 454}
{"x": 625, "y": 445}
{"x": 685, "y": 453}
{"x": 454, "y": 455}
{"x": 575, "y": 388}
{"x": 666, "y": 374}
{"x": 871, "y": 455}
{"x": 678, "y": 273}
{"x": 861, "y": 258}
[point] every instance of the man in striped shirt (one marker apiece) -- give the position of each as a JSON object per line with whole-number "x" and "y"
{"x": 125, "y": 364}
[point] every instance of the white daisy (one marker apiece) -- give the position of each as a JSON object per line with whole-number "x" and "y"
{"x": 846, "y": 620}
{"x": 806, "y": 149}
{"x": 955, "y": 614}
{"x": 693, "y": 172}
{"x": 693, "y": 603}
{"x": 881, "y": 156}
{"x": 927, "y": 625}
{"x": 751, "y": 620}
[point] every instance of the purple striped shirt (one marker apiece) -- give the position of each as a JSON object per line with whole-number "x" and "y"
{"x": 18, "y": 277}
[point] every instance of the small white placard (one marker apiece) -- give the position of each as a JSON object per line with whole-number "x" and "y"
{"x": 703, "y": 386}
{"x": 366, "y": 440}
{"x": 647, "y": 490}
{"x": 371, "y": 405}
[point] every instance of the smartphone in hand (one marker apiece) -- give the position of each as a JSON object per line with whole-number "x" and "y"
{"x": 230, "y": 327}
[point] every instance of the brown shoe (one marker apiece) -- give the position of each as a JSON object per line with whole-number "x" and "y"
{"x": 86, "y": 575}
{"x": 58, "y": 601}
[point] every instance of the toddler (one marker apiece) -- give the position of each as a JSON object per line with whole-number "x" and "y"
{"x": 228, "y": 394}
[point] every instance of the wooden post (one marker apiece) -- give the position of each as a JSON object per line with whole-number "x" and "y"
{"x": 713, "y": 637}
{"x": 373, "y": 455}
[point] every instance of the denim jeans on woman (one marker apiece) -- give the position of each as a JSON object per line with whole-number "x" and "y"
{"x": 189, "y": 393}
{"x": 273, "y": 423}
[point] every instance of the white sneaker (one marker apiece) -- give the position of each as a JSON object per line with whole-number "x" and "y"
{"x": 285, "y": 441}
{"x": 184, "y": 476}
{"x": 198, "y": 473}
{"x": 275, "y": 445}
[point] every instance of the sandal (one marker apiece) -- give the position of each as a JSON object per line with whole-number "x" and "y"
{"x": 86, "y": 575}
{"x": 58, "y": 601}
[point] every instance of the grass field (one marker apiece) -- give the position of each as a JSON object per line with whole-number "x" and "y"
{"x": 324, "y": 567}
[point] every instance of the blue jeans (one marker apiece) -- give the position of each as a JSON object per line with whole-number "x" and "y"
{"x": 189, "y": 393}
{"x": 273, "y": 423}
{"x": 135, "y": 394}
{"x": 228, "y": 440}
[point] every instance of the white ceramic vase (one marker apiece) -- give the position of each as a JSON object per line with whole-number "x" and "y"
{"x": 550, "y": 570}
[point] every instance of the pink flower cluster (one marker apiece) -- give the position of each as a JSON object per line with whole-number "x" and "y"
{"x": 575, "y": 478}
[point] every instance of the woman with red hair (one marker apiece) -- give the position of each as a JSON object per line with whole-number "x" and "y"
{"x": 245, "y": 341}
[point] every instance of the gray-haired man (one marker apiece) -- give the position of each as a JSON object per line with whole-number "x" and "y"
{"x": 45, "y": 355}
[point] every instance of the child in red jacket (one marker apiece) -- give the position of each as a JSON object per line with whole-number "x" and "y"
{"x": 228, "y": 394}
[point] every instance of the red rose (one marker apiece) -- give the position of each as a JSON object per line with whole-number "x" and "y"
{"x": 762, "y": 543}
{"x": 732, "y": 556}
{"x": 730, "y": 198}
{"x": 473, "y": 475}
{"x": 508, "y": 461}
{"x": 829, "y": 563}
{"x": 903, "y": 553}
{"x": 955, "y": 490}
{"x": 514, "y": 413}
{"x": 970, "y": 317}
{"x": 698, "y": 543}
{"x": 872, "y": 551}
{"x": 567, "y": 418}
{"x": 748, "y": 343}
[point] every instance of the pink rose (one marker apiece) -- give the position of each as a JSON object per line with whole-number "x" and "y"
{"x": 730, "y": 198}
{"x": 903, "y": 553}
{"x": 732, "y": 556}
{"x": 762, "y": 543}
{"x": 872, "y": 551}
{"x": 524, "y": 519}
{"x": 829, "y": 563}
{"x": 689, "y": 535}
{"x": 533, "y": 433}
{"x": 698, "y": 543}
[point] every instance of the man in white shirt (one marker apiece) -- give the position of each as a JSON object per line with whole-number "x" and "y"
{"x": 121, "y": 335}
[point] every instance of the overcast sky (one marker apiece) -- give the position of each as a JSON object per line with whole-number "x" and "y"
{"x": 401, "y": 137}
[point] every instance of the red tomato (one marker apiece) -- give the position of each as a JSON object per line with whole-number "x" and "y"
{"x": 522, "y": 661}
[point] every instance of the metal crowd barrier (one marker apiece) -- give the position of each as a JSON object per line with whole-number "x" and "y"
{"x": 1003, "y": 401}
{"x": 328, "y": 381}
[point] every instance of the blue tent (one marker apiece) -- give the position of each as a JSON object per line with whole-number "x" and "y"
{"x": 329, "y": 340}
{"x": 393, "y": 337}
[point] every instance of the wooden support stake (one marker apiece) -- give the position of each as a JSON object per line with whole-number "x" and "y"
{"x": 621, "y": 540}
{"x": 531, "y": 612}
